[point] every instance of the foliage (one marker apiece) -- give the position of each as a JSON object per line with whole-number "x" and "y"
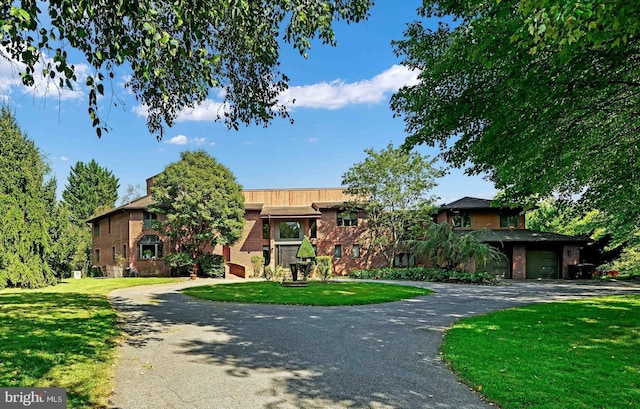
{"x": 390, "y": 186}
{"x": 25, "y": 244}
{"x": 443, "y": 247}
{"x": 542, "y": 96}
{"x": 552, "y": 355}
{"x": 305, "y": 250}
{"x": 133, "y": 192}
{"x": 180, "y": 263}
{"x": 90, "y": 188}
{"x": 274, "y": 274}
{"x": 316, "y": 293}
{"x": 324, "y": 267}
{"x": 63, "y": 336}
{"x": 628, "y": 264}
{"x": 430, "y": 274}
{"x": 211, "y": 265}
{"x": 176, "y": 51}
{"x": 257, "y": 264}
{"x": 202, "y": 202}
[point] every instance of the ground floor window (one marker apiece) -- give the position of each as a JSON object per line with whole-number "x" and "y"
{"x": 97, "y": 255}
{"x": 266, "y": 253}
{"x": 337, "y": 251}
{"x": 150, "y": 246}
{"x": 403, "y": 260}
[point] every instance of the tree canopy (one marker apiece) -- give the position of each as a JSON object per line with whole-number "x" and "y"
{"x": 202, "y": 203}
{"x": 543, "y": 96}
{"x": 392, "y": 187}
{"x": 24, "y": 216}
{"x": 90, "y": 188}
{"x": 176, "y": 51}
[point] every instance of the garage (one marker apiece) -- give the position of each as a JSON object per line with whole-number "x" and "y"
{"x": 543, "y": 264}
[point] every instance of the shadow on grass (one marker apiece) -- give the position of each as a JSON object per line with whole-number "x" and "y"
{"x": 50, "y": 337}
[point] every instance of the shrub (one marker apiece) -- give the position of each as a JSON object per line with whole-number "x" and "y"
{"x": 422, "y": 274}
{"x": 211, "y": 265}
{"x": 257, "y": 263}
{"x": 324, "y": 267}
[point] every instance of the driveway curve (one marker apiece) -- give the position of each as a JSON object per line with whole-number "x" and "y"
{"x": 182, "y": 353}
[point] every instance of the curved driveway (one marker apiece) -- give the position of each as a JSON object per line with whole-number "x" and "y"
{"x": 190, "y": 354}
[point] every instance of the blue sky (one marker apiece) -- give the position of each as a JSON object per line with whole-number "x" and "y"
{"x": 342, "y": 107}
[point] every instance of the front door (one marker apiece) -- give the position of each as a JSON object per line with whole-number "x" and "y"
{"x": 286, "y": 254}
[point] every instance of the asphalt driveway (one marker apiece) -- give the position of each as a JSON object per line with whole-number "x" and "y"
{"x": 189, "y": 354}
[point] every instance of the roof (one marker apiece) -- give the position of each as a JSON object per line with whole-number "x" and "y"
{"x": 140, "y": 203}
{"x": 523, "y": 236}
{"x": 330, "y": 205}
{"x": 289, "y": 212}
{"x": 474, "y": 203}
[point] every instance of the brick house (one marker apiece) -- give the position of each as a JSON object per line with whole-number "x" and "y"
{"x": 276, "y": 222}
{"x": 528, "y": 254}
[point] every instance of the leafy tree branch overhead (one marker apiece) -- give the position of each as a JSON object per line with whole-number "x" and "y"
{"x": 542, "y": 96}
{"x": 176, "y": 51}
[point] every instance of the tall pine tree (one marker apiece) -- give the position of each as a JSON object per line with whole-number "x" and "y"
{"x": 90, "y": 188}
{"x": 24, "y": 218}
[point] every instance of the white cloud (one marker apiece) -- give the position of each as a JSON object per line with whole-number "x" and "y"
{"x": 338, "y": 94}
{"x": 178, "y": 140}
{"x": 64, "y": 158}
{"x": 325, "y": 95}
{"x": 184, "y": 140}
{"x": 313, "y": 140}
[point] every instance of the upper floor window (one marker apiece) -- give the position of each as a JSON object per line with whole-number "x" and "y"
{"x": 462, "y": 220}
{"x": 96, "y": 229}
{"x": 509, "y": 220}
{"x": 149, "y": 219}
{"x": 266, "y": 231}
{"x": 289, "y": 230}
{"x": 150, "y": 246}
{"x": 347, "y": 219}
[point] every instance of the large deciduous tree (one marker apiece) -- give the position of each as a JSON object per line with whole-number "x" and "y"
{"x": 176, "y": 51}
{"x": 202, "y": 202}
{"x": 543, "y": 96}
{"x": 391, "y": 186}
{"x": 24, "y": 217}
{"x": 90, "y": 188}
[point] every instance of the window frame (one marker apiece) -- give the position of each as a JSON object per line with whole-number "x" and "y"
{"x": 461, "y": 220}
{"x": 337, "y": 251}
{"x": 146, "y": 241}
{"x": 347, "y": 219}
{"x": 148, "y": 219}
{"x": 355, "y": 251}
{"x": 506, "y": 220}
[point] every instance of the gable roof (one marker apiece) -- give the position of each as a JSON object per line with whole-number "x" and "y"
{"x": 523, "y": 236}
{"x": 138, "y": 204}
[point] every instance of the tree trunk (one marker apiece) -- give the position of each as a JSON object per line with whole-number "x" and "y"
{"x": 194, "y": 273}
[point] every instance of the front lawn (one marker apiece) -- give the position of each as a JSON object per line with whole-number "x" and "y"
{"x": 62, "y": 336}
{"x": 575, "y": 354}
{"x": 316, "y": 293}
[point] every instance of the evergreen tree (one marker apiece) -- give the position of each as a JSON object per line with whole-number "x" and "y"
{"x": 90, "y": 189}
{"x": 24, "y": 216}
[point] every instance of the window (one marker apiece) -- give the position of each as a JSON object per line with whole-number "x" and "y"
{"x": 113, "y": 254}
{"x": 266, "y": 253}
{"x": 109, "y": 222}
{"x": 266, "y": 231}
{"x": 96, "y": 229}
{"x": 289, "y": 230}
{"x": 355, "y": 250}
{"x": 150, "y": 246}
{"x": 124, "y": 251}
{"x": 313, "y": 229}
{"x": 462, "y": 220}
{"x": 347, "y": 219}
{"x": 97, "y": 256}
{"x": 149, "y": 219}
{"x": 337, "y": 251}
{"x": 403, "y": 260}
{"x": 509, "y": 220}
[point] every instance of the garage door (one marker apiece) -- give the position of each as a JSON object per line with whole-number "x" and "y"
{"x": 499, "y": 268}
{"x": 543, "y": 264}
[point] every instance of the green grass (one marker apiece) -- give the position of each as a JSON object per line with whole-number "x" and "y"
{"x": 62, "y": 336}
{"x": 576, "y": 354}
{"x": 316, "y": 293}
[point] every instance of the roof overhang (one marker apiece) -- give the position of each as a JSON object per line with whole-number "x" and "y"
{"x": 522, "y": 236}
{"x": 290, "y": 212}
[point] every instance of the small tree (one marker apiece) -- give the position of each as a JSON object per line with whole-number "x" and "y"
{"x": 391, "y": 186}
{"x": 202, "y": 202}
{"x": 90, "y": 188}
{"x": 447, "y": 250}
